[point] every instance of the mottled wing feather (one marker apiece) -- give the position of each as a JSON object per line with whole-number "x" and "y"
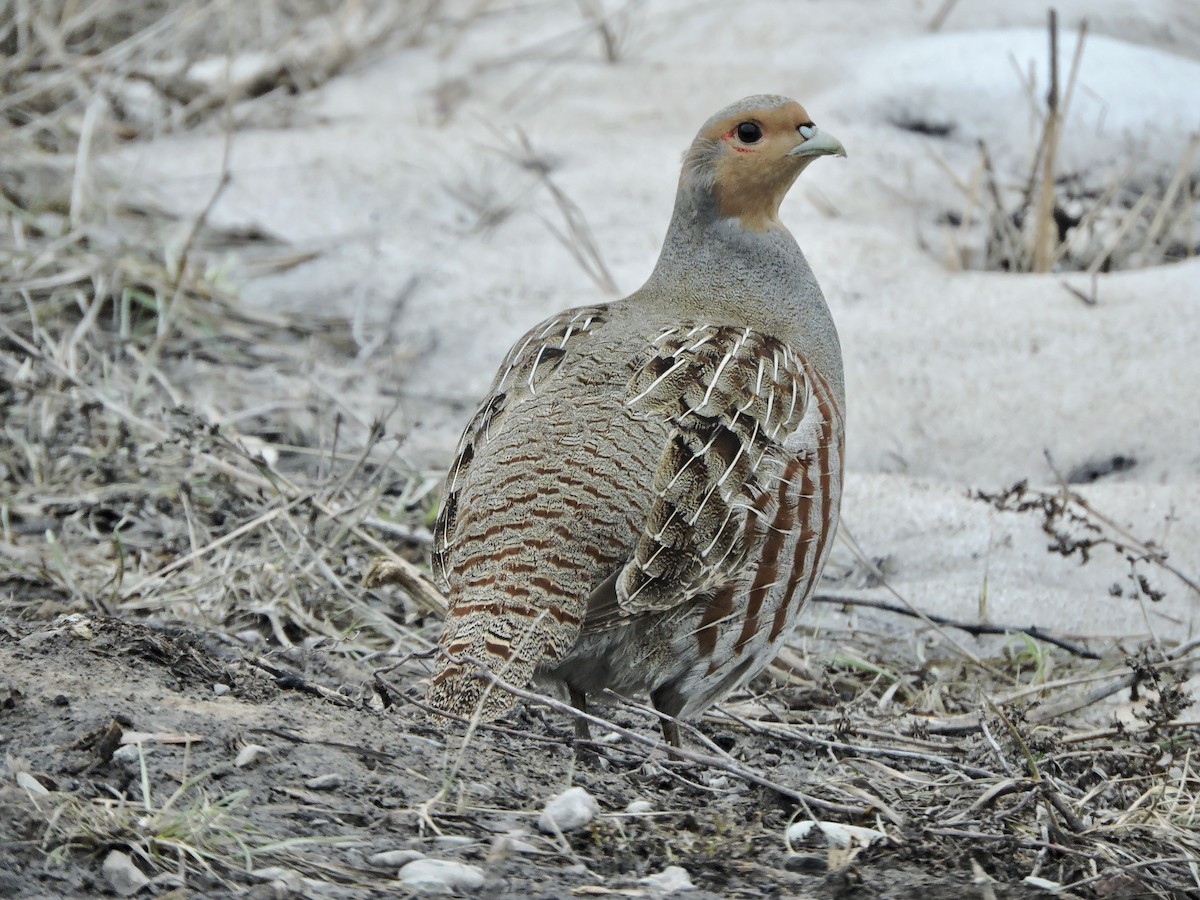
{"x": 732, "y": 397}
{"x": 529, "y": 363}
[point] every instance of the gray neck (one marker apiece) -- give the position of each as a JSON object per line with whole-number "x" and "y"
{"x": 713, "y": 269}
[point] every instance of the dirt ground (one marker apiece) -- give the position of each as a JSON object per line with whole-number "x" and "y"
{"x": 76, "y": 689}
{"x": 199, "y": 696}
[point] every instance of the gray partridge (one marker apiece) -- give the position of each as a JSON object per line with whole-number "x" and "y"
{"x": 648, "y": 492}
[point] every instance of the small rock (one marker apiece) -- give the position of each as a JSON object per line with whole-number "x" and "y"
{"x": 810, "y": 864}
{"x": 441, "y": 876}
{"x": 504, "y": 844}
{"x": 37, "y": 637}
{"x": 220, "y": 689}
{"x": 450, "y": 841}
{"x": 639, "y": 807}
{"x": 328, "y": 782}
{"x": 1042, "y": 884}
{"x": 836, "y": 834}
{"x": 394, "y": 859}
{"x": 669, "y": 880}
{"x": 249, "y": 755}
{"x": 123, "y": 876}
{"x": 127, "y": 759}
{"x": 81, "y": 626}
{"x": 571, "y": 809}
{"x": 284, "y": 881}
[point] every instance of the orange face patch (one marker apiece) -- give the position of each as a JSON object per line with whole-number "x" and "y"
{"x": 730, "y": 135}
{"x": 751, "y": 182}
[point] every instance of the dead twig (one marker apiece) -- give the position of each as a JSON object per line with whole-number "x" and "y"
{"x": 973, "y": 628}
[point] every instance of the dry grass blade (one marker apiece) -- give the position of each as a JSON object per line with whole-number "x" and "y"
{"x": 155, "y": 508}
{"x": 1084, "y": 221}
{"x": 1043, "y": 210}
{"x": 577, "y": 237}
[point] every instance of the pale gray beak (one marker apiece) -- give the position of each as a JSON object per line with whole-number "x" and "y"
{"x": 820, "y": 144}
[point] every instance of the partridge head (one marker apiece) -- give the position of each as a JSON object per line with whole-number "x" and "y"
{"x": 748, "y": 155}
{"x": 646, "y": 496}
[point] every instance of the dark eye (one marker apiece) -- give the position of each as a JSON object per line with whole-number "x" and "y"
{"x": 749, "y": 133}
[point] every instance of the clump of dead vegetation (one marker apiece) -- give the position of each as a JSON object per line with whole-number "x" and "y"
{"x": 128, "y": 487}
{"x": 1062, "y": 221}
{"x": 1068, "y": 774}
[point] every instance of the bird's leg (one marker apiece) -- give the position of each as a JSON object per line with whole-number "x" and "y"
{"x": 579, "y": 701}
{"x": 670, "y": 728}
{"x": 670, "y": 732}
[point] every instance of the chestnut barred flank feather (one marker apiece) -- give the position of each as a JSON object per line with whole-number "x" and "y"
{"x": 647, "y": 494}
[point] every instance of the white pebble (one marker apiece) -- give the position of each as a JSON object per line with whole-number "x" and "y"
{"x": 81, "y": 626}
{"x": 513, "y": 842}
{"x": 1042, "y": 884}
{"x": 124, "y": 877}
{"x": 327, "y": 782}
{"x": 220, "y": 689}
{"x": 450, "y": 841}
{"x": 669, "y": 880}
{"x": 284, "y": 881}
{"x": 571, "y": 809}
{"x": 639, "y": 807}
{"x": 836, "y": 835}
{"x": 128, "y": 758}
{"x": 394, "y": 859}
{"x": 441, "y": 876}
{"x": 249, "y": 755}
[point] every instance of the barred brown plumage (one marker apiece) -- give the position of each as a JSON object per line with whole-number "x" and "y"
{"x": 645, "y": 498}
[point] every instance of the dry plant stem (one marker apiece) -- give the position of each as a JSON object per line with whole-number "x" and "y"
{"x": 1126, "y": 730}
{"x": 1181, "y": 177}
{"x": 1113, "y": 683}
{"x": 1114, "y": 242}
{"x": 1089, "y": 299}
{"x": 1044, "y": 230}
{"x": 1151, "y": 553}
{"x": 655, "y": 744}
{"x": 1073, "y": 887}
{"x": 943, "y": 13}
{"x": 288, "y": 679}
{"x": 783, "y": 729}
{"x": 970, "y": 204}
{"x": 165, "y": 315}
{"x": 970, "y": 627}
{"x": 651, "y": 712}
{"x": 1001, "y": 224}
{"x": 845, "y": 535}
{"x": 1097, "y": 208}
{"x": 577, "y": 238}
{"x": 392, "y": 692}
{"x": 1073, "y": 76}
